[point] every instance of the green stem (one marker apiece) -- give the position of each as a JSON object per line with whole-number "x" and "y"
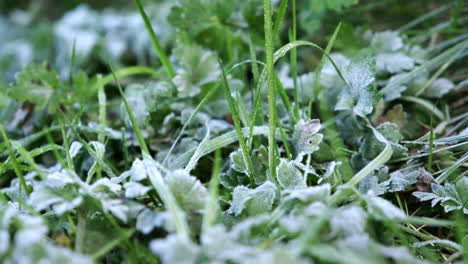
{"x": 271, "y": 86}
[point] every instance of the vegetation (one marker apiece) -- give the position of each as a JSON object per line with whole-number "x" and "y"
{"x": 214, "y": 131}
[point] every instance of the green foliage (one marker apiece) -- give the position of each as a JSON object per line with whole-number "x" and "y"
{"x": 181, "y": 166}
{"x": 450, "y": 196}
{"x": 39, "y": 85}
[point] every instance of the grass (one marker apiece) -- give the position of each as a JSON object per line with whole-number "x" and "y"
{"x": 224, "y": 162}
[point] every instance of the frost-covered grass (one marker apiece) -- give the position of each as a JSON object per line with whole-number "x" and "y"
{"x": 213, "y": 131}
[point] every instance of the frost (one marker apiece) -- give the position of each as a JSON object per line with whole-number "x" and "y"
{"x": 329, "y": 76}
{"x": 439, "y": 88}
{"x": 61, "y": 199}
{"x": 393, "y": 63}
{"x": 331, "y": 168}
{"x": 383, "y": 209}
{"x": 147, "y": 220}
{"x": 174, "y": 249}
{"x": 138, "y": 171}
{"x": 124, "y": 210}
{"x": 75, "y": 148}
{"x": 450, "y": 196}
{"x": 306, "y": 138}
{"x": 357, "y": 95}
{"x": 238, "y": 162}
{"x": 220, "y": 247}
{"x": 4, "y": 241}
{"x": 348, "y": 221}
{"x": 135, "y": 189}
{"x": 310, "y": 194}
{"x": 105, "y": 185}
{"x": 400, "y": 181}
{"x": 256, "y": 200}
{"x": 187, "y": 190}
{"x": 199, "y": 67}
{"x": 386, "y": 41}
{"x": 144, "y": 98}
{"x": 289, "y": 177}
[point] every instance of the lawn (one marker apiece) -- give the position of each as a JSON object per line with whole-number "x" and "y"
{"x": 222, "y": 131}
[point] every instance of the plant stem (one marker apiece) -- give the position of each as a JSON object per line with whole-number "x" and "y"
{"x": 271, "y": 86}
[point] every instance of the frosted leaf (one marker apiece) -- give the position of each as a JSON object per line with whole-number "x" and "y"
{"x": 393, "y": 62}
{"x": 220, "y": 247}
{"x": 289, "y": 177}
{"x": 329, "y": 76}
{"x": 360, "y": 73}
{"x": 348, "y": 221}
{"x": 143, "y": 98}
{"x": 60, "y": 199}
{"x": 371, "y": 146}
{"x": 246, "y": 229}
{"x": 306, "y": 138}
{"x": 451, "y": 196}
{"x": 147, "y": 220}
{"x": 357, "y": 95}
{"x": 293, "y": 224}
{"x": 331, "y": 168}
{"x": 105, "y": 185}
{"x": 199, "y": 67}
{"x": 310, "y": 194}
{"x": 135, "y": 189}
{"x": 400, "y": 181}
{"x": 238, "y": 162}
{"x": 174, "y": 249}
{"x": 439, "y": 88}
{"x": 315, "y": 209}
{"x": 32, "y": 229}
{"x": 370, "y": 185}
{"x": 60, "y": 178}
{"x": 138, "y": 171}
{"x": 4, "y": 241}
{"x": 386, "y": 41}
{"x": 75, "y": 148}
{"x": 256, "y": 200}
{"x": 383, "y": 209}
{"x": 187, "y": 190}
{"x": 123, "y": 210}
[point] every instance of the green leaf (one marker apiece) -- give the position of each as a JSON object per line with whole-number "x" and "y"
{"x": 198, "y": 67}
{"x": 238, "y": 162}
{"x": 306, "y": 138}
{"x": 255, "y": 201}
{"x": 188, "y": 191}
{"x": 358, "y": 95}
{"x": 288, "y": 176}
{"x": 451, "y": 197}
{"x": 144, "y": 98}
{"x": 39, "y": 85}
{"x": 371, "y": 147}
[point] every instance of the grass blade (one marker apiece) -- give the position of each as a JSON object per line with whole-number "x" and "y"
{"x": 154, "y": 40}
